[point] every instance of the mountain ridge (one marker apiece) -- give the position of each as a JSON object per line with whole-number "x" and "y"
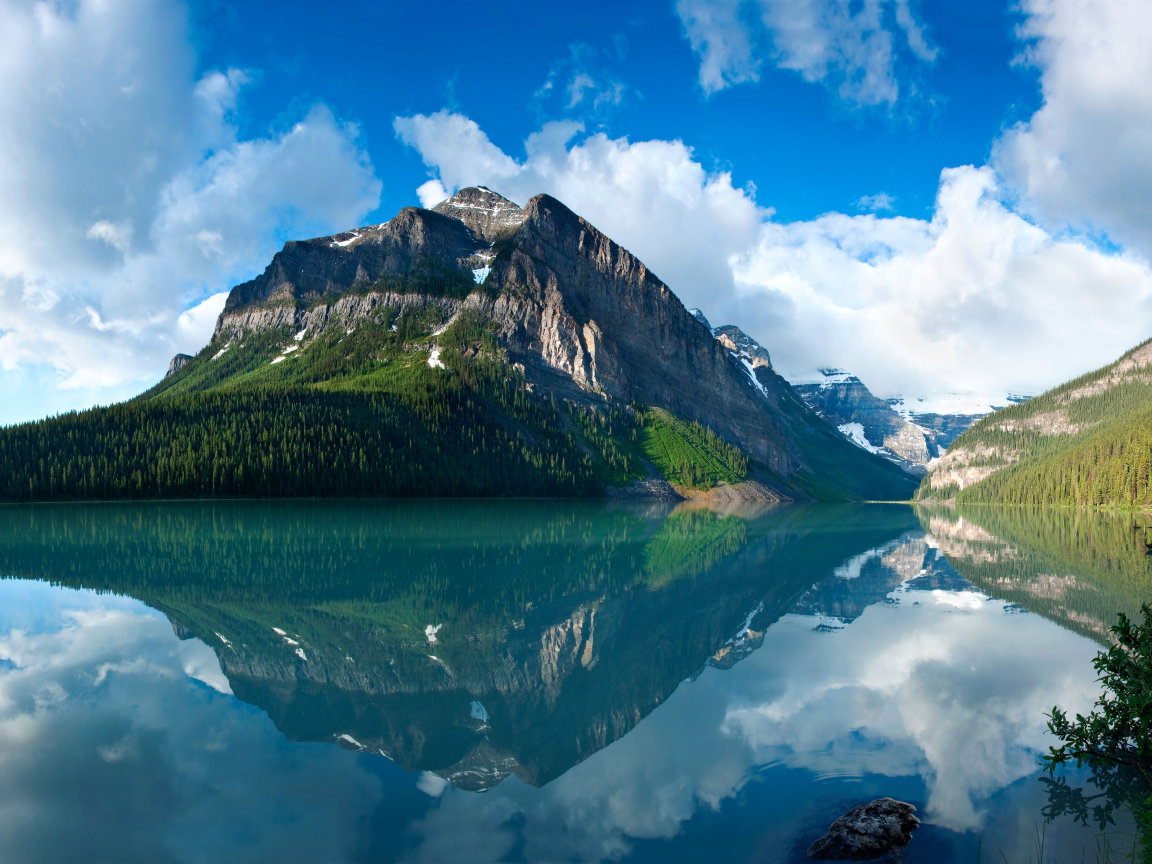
{"x": 525, "y": 322}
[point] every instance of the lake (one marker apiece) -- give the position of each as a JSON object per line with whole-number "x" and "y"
{"x": 541, "y": 681}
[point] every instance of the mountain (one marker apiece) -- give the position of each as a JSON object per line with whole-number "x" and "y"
{"x": 911, "y": 440}
{"x": 868, "y": 421}
{"x": 478, "y": 348}
{"x": 1086, "y": 442}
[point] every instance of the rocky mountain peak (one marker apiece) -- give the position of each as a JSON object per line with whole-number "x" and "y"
{"x": 736, "y": 341}
{"x": 743, "y": 345}
{"x": 486, "y": 213}
{"x": 699, "y": 316}
{"x": 867, "y": 421}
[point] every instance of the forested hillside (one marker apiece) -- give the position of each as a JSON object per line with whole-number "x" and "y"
{"x": 353, "y": 414}
{"x": 1087, "y": 442}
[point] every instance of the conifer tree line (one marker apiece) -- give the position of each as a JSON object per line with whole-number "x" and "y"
{"x": 440, "y": 437}
{"x": 1110, "y": 468}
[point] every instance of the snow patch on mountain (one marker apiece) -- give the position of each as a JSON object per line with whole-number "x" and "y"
{"x": 751, "y": 370}
{"x": 854, "y": 432}
{"x": 699, "y": 316}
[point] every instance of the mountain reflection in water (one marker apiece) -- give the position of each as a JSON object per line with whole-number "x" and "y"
{"x": 1077, "y": 567}
{"x": 473, "y": 641}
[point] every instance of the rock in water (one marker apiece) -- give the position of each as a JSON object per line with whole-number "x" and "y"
{"x": 867, "y": 832}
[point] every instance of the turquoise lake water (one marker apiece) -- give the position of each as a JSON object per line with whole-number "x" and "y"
{"x": 542, "y": 681}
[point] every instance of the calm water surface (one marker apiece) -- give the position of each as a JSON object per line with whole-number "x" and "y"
{"x": 538, "y": 681}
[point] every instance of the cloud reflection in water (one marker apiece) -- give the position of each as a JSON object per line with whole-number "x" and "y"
{"x": 117, "y": 736}
{"x": 946, "y": 685}
{"x": 119, "y": 742}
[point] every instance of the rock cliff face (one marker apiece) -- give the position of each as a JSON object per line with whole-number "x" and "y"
{"x": 584, "y": 317}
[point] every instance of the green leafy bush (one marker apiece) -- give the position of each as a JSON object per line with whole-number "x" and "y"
{"x": 1115, "y": 739}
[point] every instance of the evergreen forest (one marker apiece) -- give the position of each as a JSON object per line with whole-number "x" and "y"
{"x": 361, "y": 413}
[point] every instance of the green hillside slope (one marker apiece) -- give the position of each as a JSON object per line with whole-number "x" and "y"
{"x": 1086, "y": 442}
{"x": 354, "y": 414}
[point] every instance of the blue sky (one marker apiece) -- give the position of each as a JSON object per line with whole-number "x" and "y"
{"x": 951, "y": 200}
{"x": 805, "y": 150}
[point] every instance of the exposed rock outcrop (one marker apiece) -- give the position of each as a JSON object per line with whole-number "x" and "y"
{"x": 1133, "y": 367}
{"x": 960, "y": 467}
{"x": 743, "y": 345}
{"x": 486, "y": 214}
{"x": 178, "y": 363}
{"x": 866, "y": 832}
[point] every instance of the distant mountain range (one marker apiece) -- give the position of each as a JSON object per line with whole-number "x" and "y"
{"x": 911, "y": 441}
{"x": 478, "y": 348}
{"x": 1086, "y": 442}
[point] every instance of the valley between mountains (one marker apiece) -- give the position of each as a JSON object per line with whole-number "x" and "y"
{"x": 475, "y": 349}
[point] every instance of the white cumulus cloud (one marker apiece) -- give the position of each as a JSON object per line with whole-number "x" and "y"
{"x": 976, "y": 301}
{"x": 849, "y": 47}
{"x": 1082, "y": 159}
{"x": 128, "y": 199}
